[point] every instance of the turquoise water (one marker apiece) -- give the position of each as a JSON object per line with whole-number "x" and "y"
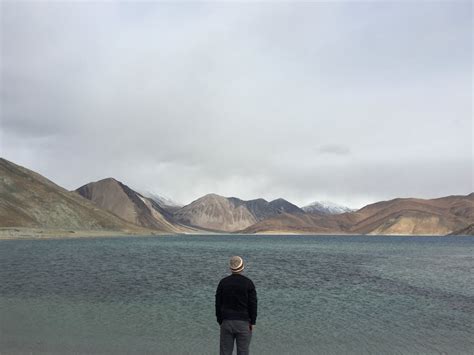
{"x": 317, "y": 295}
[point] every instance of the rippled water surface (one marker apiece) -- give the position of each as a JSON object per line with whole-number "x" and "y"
{"x": 317, "y": 295}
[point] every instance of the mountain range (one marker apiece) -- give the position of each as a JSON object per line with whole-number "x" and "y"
{"x": 230, "y": 214}
{"x": 401, "y": 216}
{"x": 29, "y": 200}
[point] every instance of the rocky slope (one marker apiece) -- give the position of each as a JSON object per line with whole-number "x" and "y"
{"x": 29, "y": 200}
{"x": 469, "y": 230}
{"x": 119, "y": 199}
{"x": 399, "y": 216}
{"x": 218, "y": 213}
{"x": 281, "y": 205}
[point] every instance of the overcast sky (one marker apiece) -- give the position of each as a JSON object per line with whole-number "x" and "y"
{"x": 351, "y": 102}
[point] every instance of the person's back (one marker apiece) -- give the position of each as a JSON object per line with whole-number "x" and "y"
{"x": 236, "y": 309}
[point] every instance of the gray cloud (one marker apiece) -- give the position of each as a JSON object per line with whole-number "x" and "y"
{"x": 304, "y": 101}
{"x": 336, "y": 149}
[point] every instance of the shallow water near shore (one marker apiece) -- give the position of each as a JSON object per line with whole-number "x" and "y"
{"x": 317, "y": 295}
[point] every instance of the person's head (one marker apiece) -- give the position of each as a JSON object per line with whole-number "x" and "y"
{"x": 236, "y": 264}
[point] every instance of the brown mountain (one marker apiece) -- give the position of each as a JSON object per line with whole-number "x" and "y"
{"x": 115, "y": 197}
{"x": 217, "y": 213}
{"x": 299, "y": 223}
{"x": 29, "y": 200}
{"x": 230, "y": 214}
{"x": 415, "y": 216}
{"x": 407, "y": 216}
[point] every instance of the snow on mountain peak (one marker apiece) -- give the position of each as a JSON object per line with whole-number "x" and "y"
{"x": 160, "y": 200}
{"x": 326, "y": 207}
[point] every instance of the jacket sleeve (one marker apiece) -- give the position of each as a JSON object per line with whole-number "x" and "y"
{"x": 252, "y": 303}
{"x": 219, "y": 303}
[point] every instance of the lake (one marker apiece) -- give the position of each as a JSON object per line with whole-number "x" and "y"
{"x": 316, "y": 294}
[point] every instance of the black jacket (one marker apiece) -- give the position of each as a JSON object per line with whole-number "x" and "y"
{"x": 236, "y": 299}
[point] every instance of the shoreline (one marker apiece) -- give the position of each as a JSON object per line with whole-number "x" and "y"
{"x": 19, "y": 233}
{"x": 15, "y": 233}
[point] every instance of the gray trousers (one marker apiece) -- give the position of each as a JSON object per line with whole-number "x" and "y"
{"x": 237, "y": 330}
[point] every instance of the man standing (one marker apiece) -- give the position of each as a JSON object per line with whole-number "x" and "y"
{"x": 236, "y": 309}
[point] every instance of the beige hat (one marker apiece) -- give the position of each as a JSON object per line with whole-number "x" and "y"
{"x": 236, "y": 264}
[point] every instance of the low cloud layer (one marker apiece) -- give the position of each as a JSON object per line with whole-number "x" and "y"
{"x": 347, "y": 102}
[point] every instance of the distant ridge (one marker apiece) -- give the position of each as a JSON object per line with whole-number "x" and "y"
{"x": 401, "y": 216}
{"x": 165, "y": 203}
